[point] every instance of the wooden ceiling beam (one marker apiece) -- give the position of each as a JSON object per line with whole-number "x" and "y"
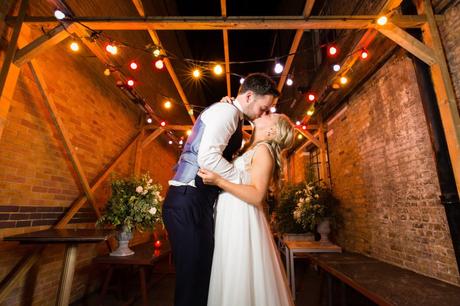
{"x": 42, "y": 43}
{"x": 229, "y": 23}
{"x": 156, "y": 40}
{"x": 295, "y": 45}
{"x": 409, "y": 43}
{"x": 223, "y": 8}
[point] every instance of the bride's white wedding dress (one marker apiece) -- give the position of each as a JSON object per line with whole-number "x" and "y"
{"x": 246, "y": 268}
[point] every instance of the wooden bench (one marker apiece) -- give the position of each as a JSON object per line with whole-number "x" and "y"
{"x": 382, "y": 283}
{"x": 145, "y": 255}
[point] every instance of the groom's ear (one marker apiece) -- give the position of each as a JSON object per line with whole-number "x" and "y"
{"x": 247, "y": 95}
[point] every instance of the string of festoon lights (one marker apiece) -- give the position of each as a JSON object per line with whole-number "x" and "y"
{"x": 200, "y": 68}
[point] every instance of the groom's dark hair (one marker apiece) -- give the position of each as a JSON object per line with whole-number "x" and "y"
{"x": 260, "y": 84}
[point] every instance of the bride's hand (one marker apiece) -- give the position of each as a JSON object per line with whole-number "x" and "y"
{"x": 209, "y": 177}
{"x": 227, "y": 99}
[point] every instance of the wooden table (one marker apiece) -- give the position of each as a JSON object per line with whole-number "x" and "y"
{"x": 71, "y": 238}
{"x": 144, "y": 255}
{"x": 294, "y": 248}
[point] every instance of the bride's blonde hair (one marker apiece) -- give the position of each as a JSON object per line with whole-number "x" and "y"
{"x": 283, "y": 140}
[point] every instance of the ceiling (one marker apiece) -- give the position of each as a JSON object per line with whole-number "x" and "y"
{"x": 311, "y": 69}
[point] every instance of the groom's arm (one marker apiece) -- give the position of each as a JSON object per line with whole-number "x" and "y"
{"x": 221, "y": 121}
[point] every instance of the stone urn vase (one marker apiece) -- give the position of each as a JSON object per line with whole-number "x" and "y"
{"x": 324, "y": 228}
{"x": 123, "y": 236}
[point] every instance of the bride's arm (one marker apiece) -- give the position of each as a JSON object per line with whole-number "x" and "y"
{"x": 261, "y": 172}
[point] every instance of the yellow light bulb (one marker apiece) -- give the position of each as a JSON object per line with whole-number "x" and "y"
{"x": 107, "y": 72}
{"x": 299, "y": 136}
{"x": 218, "y": 69}
{"x": 196, "y": 73}
{"x": 382, "y": 20}
{"x": 168, "y": 104}
{"x": 189, "y": 132}
{"x": 74, "y": 46}
{"x": 343, "y": 80}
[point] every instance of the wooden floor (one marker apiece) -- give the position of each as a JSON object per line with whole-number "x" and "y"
{"x": 161, "y": 292}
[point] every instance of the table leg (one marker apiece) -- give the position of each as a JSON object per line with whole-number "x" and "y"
{"x": 68, "y": 270}
{"x": 292, "y": 268}
{"x": 143, "y": 286}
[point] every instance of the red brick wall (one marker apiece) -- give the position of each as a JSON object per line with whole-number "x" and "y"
{"x": 383, "y": 171}
{"x": 35, "y": 173}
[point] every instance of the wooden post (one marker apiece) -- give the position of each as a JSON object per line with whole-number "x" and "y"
{"x": 223, "y": 8}
{"x": 152, "y": 137}
{"x": 9, "y": 73}
{"x": 323, "y": 156}
{"x": 49, "y": 102}
{"x": 443, "y": 88}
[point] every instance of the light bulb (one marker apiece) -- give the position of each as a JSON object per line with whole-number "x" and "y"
{"x": 218, "y": 69}
{"x": 168, "y": 104}
{"x": 343, "y": 80}
{"x": 149, "y": 120}
{"x": 159, "y": 64}
{"x": 278, "y": 68}
{"x": 133, "y": 65}
{"x": 74, "y": 46}
{"x": 289, "y": 82}
{"x": 272, "y": 109}
{"x": 297, "y": 122}
{"x": 382, "y": 20}
{"x": 241, "y": 80}
{"x": 59, "y": 15}
{"x": 196, "y": 73}
{"x": 336, "y": 67}
{"x": 189, "y": 132}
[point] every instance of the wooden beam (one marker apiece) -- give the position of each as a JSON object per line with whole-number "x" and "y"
{"x": 42, "y": 43}
{"x": 295, "y": 45}
{"x": 305, "y": 144}
{"x": 310, "y": 137}
{"x": 138, "y": 158}
{"x": 156, "y": 40}
{"x": 9, "y": 73}
{"x": 50, "y": 105}
{"x": 14, "y": 277}
{"x": 101, "y": 178}
{"x": 444, "y": 89}
{"x": 323, "y": 156}
{"x": 223, "y": 8}
{"x": 229, "y": 23}
{"x": 152, "y": 137}
{"x": 408, "y": 42}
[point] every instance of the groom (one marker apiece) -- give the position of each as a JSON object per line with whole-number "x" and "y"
{"x": 188, "y": 206}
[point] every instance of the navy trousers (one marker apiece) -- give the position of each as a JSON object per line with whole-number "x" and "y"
{"x": 188, "y": 217}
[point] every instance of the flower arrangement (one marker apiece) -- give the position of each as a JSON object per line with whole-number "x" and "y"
{"x": 313, "y": 203}
{"x": 135, "y": 204}
{"x": 303, "y": 206}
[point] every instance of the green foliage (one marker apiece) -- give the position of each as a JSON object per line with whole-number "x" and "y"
{"x": 135, "y": 203}
{"x": 303, "y": 206}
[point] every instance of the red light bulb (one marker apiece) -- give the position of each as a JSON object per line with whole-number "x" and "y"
{"x": 130, "y": 83}
{"x": 311, "y": 97}
{"x": 133, "y": 65}
{"x": 163, "y": 123}
{"x": 364, "y": 54}
{"x": 157, "y": 244}
{"x": 332, "y": 51}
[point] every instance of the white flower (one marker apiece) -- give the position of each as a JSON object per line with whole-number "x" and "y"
{"x": 150, "y": 181}
{"x": 152, "y": 210}
{"x": 157, "y": 194}
{"x": 139, "y": 189}
{"x": 145, "y": 192}
{"x": 316, "y": 196}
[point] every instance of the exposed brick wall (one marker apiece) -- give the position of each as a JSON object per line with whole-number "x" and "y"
{"x": 383, "y": 171}
{"x": 36, "y": 178}
{"x": 450, "y": 36}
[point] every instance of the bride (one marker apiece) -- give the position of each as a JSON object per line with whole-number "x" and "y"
{"x": 246, "y": 268}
